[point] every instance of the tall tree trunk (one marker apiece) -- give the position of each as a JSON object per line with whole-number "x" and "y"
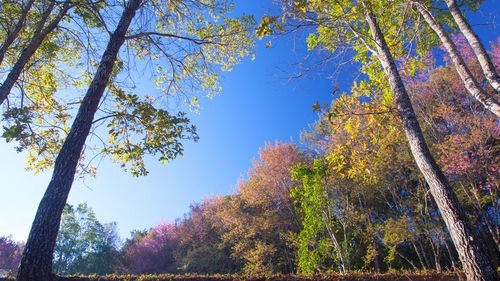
{"x": 435, "y": 244}
{"x": 478, "y": 48}
{"x": 11, "y": 36}
{"x": 464, "y": 72}
{"x": 475, "y": 263}
{"x": 450, "y": 254}
{"x": 37, "y": 39}
{"x": 419, "y": 255}
{"x": 36, "y": 262}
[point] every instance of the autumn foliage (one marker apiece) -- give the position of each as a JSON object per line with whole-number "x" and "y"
{"x": 350, "y": 198}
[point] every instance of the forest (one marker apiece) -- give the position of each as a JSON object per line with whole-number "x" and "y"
{"x": 399, "y": 173}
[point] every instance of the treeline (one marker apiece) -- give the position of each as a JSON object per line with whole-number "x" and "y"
{"x": 350, "y": 198}
{"x": 354, "y": 201}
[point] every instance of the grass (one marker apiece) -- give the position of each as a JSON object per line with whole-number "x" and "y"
{"x": 278, "y": 277}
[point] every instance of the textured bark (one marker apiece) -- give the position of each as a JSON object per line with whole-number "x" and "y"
{"x": 484, "y": 59}
{"x": 36, "y": 263}
{"x": 475, "y": 262}
{"x": 464, "y": 72}
{"x": 39, "y": 35}
{"x": 11, "y": 36}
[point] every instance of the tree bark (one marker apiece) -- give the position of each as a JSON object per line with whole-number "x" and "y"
{"x": 37, "y": 39}
{"x": 464, "y": 72}
{"x": 484, "y": 59}
{"x": 13, "y": 35}
{"x": 475, "y": 262}
{"x": 36, "y": 262}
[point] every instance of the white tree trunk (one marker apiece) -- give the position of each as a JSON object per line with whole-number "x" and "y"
{"x": 475, "y": 263}
{"x": 484, "y": 59}
{"x": 465, "y": 74}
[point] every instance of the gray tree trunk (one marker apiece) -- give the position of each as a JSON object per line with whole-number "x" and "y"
{"x": 11, "y": 36}
{"x": 39, "y": 35}
{"x": 465, "y": 74}
{"x": 36, "y": 262}
{"x": 484, "y": 59}
{"x": 475, "y": 263}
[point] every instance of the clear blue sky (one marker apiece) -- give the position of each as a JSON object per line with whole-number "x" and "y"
{"x": 256, "y": 107}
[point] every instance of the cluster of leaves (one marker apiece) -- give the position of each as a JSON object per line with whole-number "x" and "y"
{"x": 34, "y": 115}
{"x": 185, "y": 44}
{"x": 138, "y": 128}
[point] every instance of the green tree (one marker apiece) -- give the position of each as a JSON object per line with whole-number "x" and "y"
{"x": 36, "y": 57}
{"x": 84, "y": 245}
{"x": 11, "y": 34}
{"x": 187, "y": 41}
{"x": 44, "y": 27}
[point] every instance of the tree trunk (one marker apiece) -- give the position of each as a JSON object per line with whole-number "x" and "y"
{"x": 376, "y": 263}
{"x": 450, "y": 254}
{"x": 419, "y": 255}
{"x": 36, "y": 263}
{"x": 13, "y": 35}
{"x": 489, "y": 247}
{"x": 475, "y": 263}
{"x": 464, "y": 72}
{"x": 37, "y": 39}
{"x": 478, "y": 48}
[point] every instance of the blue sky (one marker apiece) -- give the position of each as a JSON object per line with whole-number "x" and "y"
{"x": 257, "y": 106}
